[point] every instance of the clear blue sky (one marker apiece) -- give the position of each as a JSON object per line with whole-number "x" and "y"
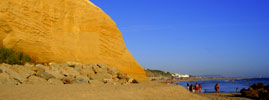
{"x": 198, "y": 37}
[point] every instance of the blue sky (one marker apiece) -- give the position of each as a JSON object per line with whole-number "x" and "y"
{"x": 198, "y": 37}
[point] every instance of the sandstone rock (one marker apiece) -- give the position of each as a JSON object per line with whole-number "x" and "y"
{"x": 55, "y": 82}
{"x": 98, "y": 69}
{"x": 78, "y": 67}
{"x": 69, "y": 71}
{"x": 42, "y": 67}
{"x": 65, "y": 31}
{"x": 25, "y": 71}
{"x": 124, "y": 76}
{"x": 113, "y": 72}
{"x": 88, "y": 66}
{"x": 14, "y": 75}
{"x": 103, "y": 77}
{"x": 81, "y": 80}
{"x": 55, "y": 74}
{"x": 44, "y": 75}
{"x": 86, "y": 72}
{"x": 36, "y": 80}
{"x": 4, "y": 78}
{"x": 69, "y": 79}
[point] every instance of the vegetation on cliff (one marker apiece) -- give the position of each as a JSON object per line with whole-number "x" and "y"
{"x": 157, "y": 73}
{"x": 9, "y": 56}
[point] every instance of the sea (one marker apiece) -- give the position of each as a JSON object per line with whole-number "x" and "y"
{"x": 226, "y": 85}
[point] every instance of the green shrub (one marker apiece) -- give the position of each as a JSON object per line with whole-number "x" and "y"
{"x": 9, "y": 56}
{"x": 157, "y": 73}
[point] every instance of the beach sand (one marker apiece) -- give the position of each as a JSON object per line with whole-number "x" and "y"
{"x": 141, "y": 91}
{"x": 223, "y": 96}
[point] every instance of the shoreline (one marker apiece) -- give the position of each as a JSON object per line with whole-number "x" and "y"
{"x": 190, "y": 79}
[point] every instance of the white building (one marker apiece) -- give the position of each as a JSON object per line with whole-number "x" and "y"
{"x": 176, "y": 75}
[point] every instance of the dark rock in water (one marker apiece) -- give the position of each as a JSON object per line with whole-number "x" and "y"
{"x": 257, "y": 86}
{"x": 256, "y": 91}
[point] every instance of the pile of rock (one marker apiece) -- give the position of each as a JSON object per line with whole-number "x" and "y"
{"x": 257, "y": 91}
{"x": 65, "y": 73}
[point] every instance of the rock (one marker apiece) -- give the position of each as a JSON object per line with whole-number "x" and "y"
{"x": 13, "y": 74}
{"x": 5, "y": 79}
{"x": 256, "y": 91}
{"x": 69, "y": 71}
{"x": 78, "y": 67}
{"x": 252, "y": 94}
{"x": 113, "y": 72}
{"x": 55, "y": 74}
{"x": 98, "y": 69}
{"x": 62, "y": 31}
{"x": 55, "y": 82}
{"x": 88, "y": 66}
{"x": 86, "y": 72}
{"x": 44, "y": 75}
{"x": 125, "y": 77}
{"x": 69, "y": 79}
{"x": 36, "y": 80}
{"x": 81, "y": 80}
{"x": 103, "y": 77}
{"x": 257, "y": 86}
{"x": 42, "y": 67}
{"x": 26, "y": 71}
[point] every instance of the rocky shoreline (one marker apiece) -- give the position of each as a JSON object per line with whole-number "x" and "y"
{"x": 60, "y": 74}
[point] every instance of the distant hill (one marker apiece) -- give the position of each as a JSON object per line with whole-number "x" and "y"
{"x": 157, "y": 73}
{"x": 207, "y": 76}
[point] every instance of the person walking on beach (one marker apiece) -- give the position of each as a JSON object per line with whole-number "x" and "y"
{"x": 196, "y": 87}
{"x": 217, "y": 88}
{"x": 200, "y": 88}
{"x": 191, "y": 87}
{"x": 188, "y": 86}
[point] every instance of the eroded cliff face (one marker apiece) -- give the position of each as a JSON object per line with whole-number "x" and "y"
{"x": 65, "y": 31}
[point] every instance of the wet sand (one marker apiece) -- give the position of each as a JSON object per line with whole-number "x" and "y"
{"x": 141, "y": 91}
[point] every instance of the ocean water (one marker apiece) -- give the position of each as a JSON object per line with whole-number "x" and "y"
{"x": 226, "y": 86}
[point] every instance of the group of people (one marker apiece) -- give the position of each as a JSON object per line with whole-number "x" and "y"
{"x": 196, "y": 88}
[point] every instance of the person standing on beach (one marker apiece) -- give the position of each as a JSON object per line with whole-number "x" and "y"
{"x": 196, "y": 87}
{"x": 200, "y": 88}
{"x": 217, "y": 88}
{"x": 188, "y": 86}
{"x": 191, "y": 87}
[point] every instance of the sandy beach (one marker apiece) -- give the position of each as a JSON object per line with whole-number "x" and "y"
{"x": 223, "y": 96}
{"x": 141, "y": 91}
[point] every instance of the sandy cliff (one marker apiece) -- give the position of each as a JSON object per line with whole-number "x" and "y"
{"x": 64, "y": 31}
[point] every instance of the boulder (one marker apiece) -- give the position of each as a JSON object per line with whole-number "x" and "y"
{"x": 42, "y": 67}
{"x": 5, "y": 79}
{"x": 78, "y": 67}
{"x": 98, "y": 69}
{"x": 81, "y": 80}
{"x": 103, "y": 77}
{"x": 86, "y": 72}
{"x": 69, "y": 79}
{"x": 44, "y": 75}
{"x": 113, "y": 72}
{"x": 69, "y": 71}
{"x": 257, "y": 86}
{"x": 36, "y": 80}
{"x": 14, "y": 75}
{"x": 256, "y": 91}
